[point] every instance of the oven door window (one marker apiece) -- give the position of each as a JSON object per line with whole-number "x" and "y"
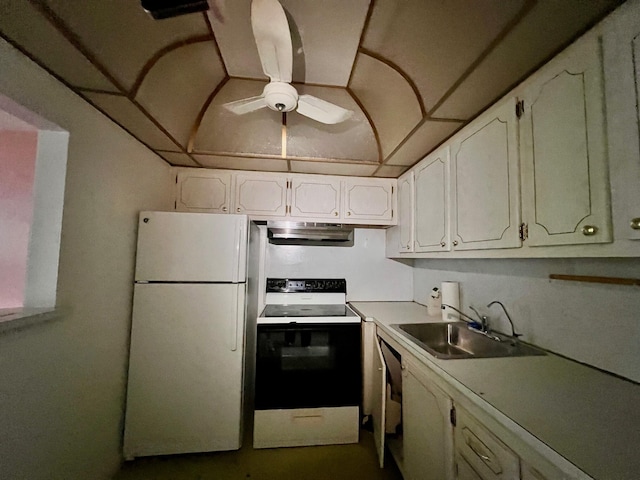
{"x": 306, "y": 366}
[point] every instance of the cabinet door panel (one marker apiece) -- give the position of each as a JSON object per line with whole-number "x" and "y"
{"x": 426, "y": 430}
{"x": 621, "y": 49}
{"x": 565, "y": 180}
{"x": 432, "y": 203}
{"x": 199, "y": 190}
{"x": 261, "y": 194}
{"x": 379, "y": 399}
{"x": 405, "y": 212}
{"x": 369, "y": 199}
{"x": 315, "y": 197}
{"x": 486, "y": 196}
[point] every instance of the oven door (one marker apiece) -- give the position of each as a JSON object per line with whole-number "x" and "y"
{"x": 308, "y": 366}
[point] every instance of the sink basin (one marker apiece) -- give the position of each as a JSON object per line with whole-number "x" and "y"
{"x": 457, "y": 340}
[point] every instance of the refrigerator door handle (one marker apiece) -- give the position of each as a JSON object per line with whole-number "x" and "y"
{"x": 236, "y": 319}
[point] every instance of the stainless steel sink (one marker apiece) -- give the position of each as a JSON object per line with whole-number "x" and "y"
{"x": 457, "y": 340}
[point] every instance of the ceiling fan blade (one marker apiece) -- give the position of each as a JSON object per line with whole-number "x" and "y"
{"x": 246, "y": 105}
{"x": 273, "y": 39}
{"x": 321, "y": 110}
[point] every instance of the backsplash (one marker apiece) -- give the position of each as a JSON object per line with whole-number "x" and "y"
{"x": 597, "y": 324}
{"x": 370, "y": 276}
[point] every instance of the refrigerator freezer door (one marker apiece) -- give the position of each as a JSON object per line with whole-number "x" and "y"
{"x": 191, "y": 247}
{"x": 185, "y": 369}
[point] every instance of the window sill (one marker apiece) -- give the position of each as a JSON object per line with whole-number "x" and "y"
{"x": 19, "y": 318}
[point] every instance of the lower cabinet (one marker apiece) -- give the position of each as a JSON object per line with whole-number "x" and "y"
{"x": 427, "y": 430}
{"x": 439, "y": 438}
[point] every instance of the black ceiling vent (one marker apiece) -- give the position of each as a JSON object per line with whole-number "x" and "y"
{"x": 160, "y": 9}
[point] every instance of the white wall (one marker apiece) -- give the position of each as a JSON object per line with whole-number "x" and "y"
{"x": 593, "y": 323}
{"x": 62, "y": 383}
{"x": 370, "y": 276}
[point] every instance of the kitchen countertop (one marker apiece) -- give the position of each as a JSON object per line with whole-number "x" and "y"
{"x": 589, "y": 417}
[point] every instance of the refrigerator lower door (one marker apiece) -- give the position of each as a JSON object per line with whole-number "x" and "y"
{"x": 185, "y": 372}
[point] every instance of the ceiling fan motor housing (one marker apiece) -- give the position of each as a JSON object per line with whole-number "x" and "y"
{"x": 280, "y": 96}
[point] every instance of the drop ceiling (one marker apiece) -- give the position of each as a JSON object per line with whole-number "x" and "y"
{"x": 412, "y": 71}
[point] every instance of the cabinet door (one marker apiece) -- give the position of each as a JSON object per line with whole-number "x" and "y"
{"x": 405, "y": 212}
{"x": 486, "y": 193}
{"x": 200, "y": 190}
{"x": 464, "y": 471}
{"x": 621, "y": 48}
{"x": 261, "y": 194}
{"x": 315, "y": 196}
{"x": 379, "y": 399}
{"x": 489, "y": 457}
{"x": 369, "y": 199}
{"x": 432, "y": 203}
{"x": 426, "y": 430}
{"x": 565, "y": 182}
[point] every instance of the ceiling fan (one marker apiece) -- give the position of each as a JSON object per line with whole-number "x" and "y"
{"x": 273, "y": 39}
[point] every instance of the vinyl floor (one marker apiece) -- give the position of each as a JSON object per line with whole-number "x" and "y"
{"x": 333, "y": 462}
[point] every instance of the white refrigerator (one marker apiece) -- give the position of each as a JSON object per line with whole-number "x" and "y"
{"x": 185, "y": 381}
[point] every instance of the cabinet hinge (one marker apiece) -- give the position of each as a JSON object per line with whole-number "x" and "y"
{"x": 175, "y": 204}
{"x": 452, "y": 416}
{"x": 523, "y": 231}
{"x": 519, "y": 108}
{"x": 176, "y": 179}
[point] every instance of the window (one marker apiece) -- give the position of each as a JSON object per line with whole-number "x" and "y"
{"x": 33, "y": 159}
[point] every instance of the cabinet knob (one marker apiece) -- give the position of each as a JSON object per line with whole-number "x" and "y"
{"x": 589, "y": 230}
{"x": 442, "y": 244}
{"x": 455, "y": 243}
{"x": 224, "y": 209}
{"x": 335, "y": 214}
{"x": 635, "y": 223}
{"x": 238, "y": 209}
{"x": 348, "y": 214}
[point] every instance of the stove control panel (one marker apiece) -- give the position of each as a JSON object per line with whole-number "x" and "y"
{"x": 302, "y": 285}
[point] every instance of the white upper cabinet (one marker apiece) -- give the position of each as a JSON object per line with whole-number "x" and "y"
{"x": 621, "y": 47}
{"x": 370, "y": 199}
{"x": 200, "y": 190}
{"x": 485, "y": 184}
{"x": 261, "y": 194}
{"x": 315, "y": 196}
{"x": 563, "y": 149}
{"x": 432, "y": 180}
{"x": 405, "y": 212}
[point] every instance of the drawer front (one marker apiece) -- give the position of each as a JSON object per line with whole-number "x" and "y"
{"x": 488, "y": 456}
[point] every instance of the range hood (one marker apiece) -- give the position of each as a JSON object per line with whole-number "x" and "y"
{"x": 313, "y": 234}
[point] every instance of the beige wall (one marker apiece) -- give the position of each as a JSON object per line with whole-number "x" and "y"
{"x": 62, "y": 383}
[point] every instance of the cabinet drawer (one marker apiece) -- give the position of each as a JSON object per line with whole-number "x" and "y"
{"x": 488, "y": 456}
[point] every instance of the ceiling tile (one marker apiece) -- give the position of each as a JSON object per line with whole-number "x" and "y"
{"x": 435, "y": 42}
{"x": 389, "y": 171}
{"x": 221, "y": 131}
{"x": 122, "y": 35}
{"x": 390, "y": 101}
{"x": 428, "y": 136}
{"x": 123, "y": 111}
{"x": 26, "y": 26}
{"x": 176, "y": 88}
{"x": 325, "y": 38}
{"x": 242, "y": 163}
{"x": 178, "y": 159}
{"x": 352, "y": 139}
{"x": 549, "y": 24}
{"x": 327, "y": 168}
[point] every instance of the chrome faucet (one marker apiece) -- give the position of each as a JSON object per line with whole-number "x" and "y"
{"x": 514, "y": 335}
{"x": 467, "y": 318}
{"x": 484, "y": 320}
